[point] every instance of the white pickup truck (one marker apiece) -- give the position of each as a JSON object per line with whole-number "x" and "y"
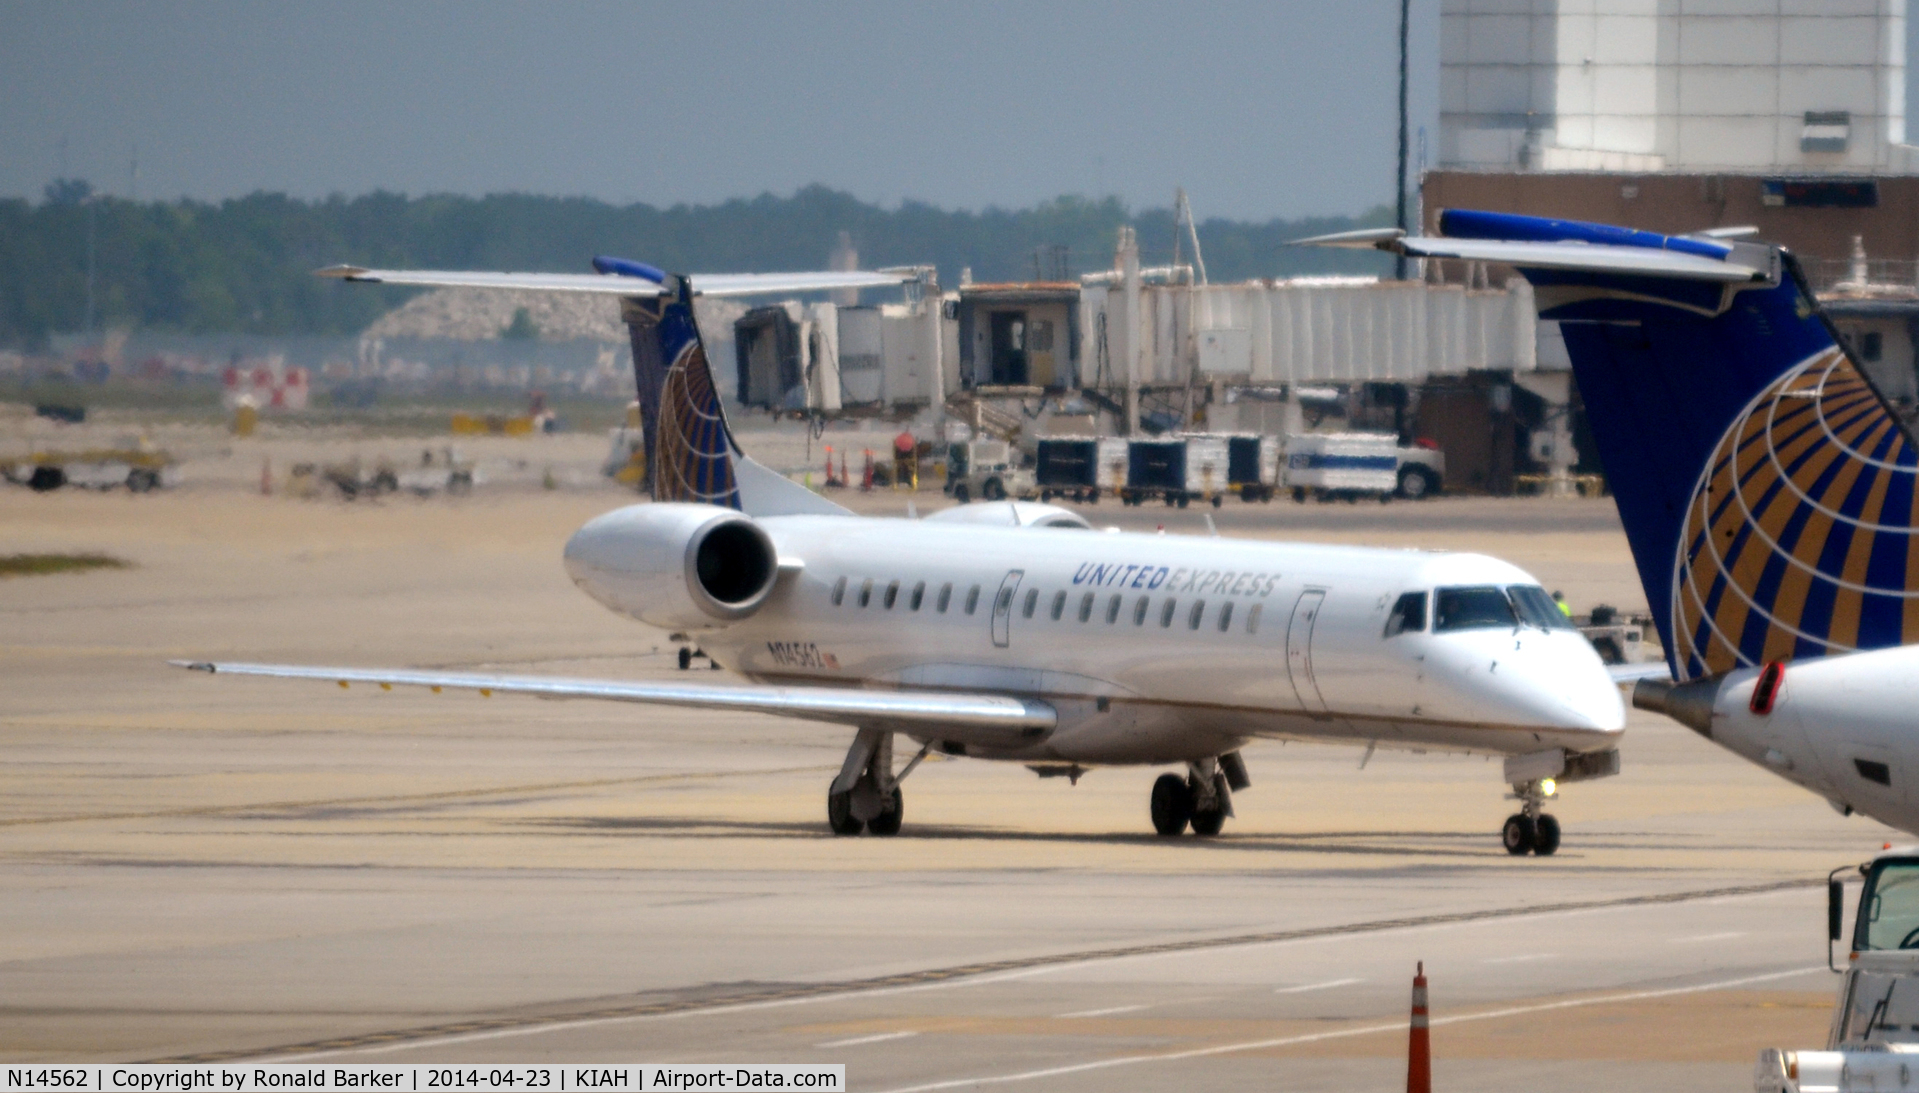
{"x": 1874, "y": 1040}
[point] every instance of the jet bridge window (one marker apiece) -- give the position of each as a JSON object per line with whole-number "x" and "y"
{"x": 1481, "y": 608}
{"x": 1537, "y": 608}
{"x": 1166, "y": 613}
{"x": 1408, "y": 615}
{"x": 1059, "y": 605}
{"x": 839, "y": 592}
{"x": 972, "y": 599}
{"x": 946, "y": 598}
{"x": 892, "y": 594}
{"x": 1086, "y": 607}
{"x": 919, "y": 596}
{"x": 1890, "y": 918}
{"x": 1198, "y": 613}
{"x": 866, "y": 592}
{"x": 1032, "y": 601}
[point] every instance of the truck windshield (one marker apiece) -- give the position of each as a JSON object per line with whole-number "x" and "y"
{"x": 1889, "y": 910}
{"x": 1479, "y": 608}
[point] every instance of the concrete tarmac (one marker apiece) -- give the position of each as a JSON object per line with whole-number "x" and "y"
{"x": 232, "y": 868}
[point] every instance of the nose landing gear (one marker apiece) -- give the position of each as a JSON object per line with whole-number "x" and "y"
{"x": 1530, "y": 830}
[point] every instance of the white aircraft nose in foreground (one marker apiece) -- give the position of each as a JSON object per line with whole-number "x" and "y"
{"x": 1017, "y": 633}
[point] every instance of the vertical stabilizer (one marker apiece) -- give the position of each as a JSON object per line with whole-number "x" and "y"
{"x": 690, "y": 451}
{"x": 1765, "y": 485}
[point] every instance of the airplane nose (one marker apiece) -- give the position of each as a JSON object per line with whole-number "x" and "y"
{"x": 1547, "y": 680}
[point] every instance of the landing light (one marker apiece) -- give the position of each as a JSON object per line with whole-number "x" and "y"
{"x": 1548, "y": 787}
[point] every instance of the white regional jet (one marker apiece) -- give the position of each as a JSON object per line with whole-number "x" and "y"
{"x": 1766, "y": 486}
{"x": 1015, "y": 632}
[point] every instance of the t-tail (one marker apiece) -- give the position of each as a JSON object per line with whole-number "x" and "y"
{"x": 1765, "y": 485}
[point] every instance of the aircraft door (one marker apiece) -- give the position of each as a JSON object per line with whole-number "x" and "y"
{"x": 1299, "y": 649}
{"x": 1003, "y": 608}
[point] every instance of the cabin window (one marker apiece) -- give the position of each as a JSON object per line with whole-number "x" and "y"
{"x": 919, "y": 596}
{"x": 1139, "y": 611}
{"x": 1112, "y": 609}
{"x": 972, "y": 599}
{"x": 946, "y": 598}
{"x": 1166, "y": 613}
{"x": 892, "y": 594}
{"x": 1032, "y": 601}
{"x": 1252, "y": 619}
{"x": 1086, "y": 607}
{"x": 1408, "y": 615}
{"x": 1059, "y": 605}
{"x": 866, "y": 592}
{"x": 1196, "y": 614}
{"x": 1537, "y": 608}
{"x": 1481, "y": 608}
{"x": 1225, "y": 616}
{"x": 839, "y": 592}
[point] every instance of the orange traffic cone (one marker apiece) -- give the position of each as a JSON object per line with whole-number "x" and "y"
{"x": 831, "y": 481}
{"x": 1419, "y": 1048}
{"x": 866, "y": 474}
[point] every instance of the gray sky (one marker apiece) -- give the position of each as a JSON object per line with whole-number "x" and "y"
{"x": 1260, "y": 109}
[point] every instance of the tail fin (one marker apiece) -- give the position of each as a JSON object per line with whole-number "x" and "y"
{"x": 690, "y": 452}
{"x": 1766, "y": 487}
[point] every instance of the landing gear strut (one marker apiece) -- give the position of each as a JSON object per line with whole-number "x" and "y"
{"x": 1531, "y": 830}
{"x": 866, "y": 795}
{"x": 1203, "y": 799}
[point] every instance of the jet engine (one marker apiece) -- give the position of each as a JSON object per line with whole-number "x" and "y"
{"x": 675, "y": 566}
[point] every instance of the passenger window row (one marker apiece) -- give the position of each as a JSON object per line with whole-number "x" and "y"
{"x": 889, "y": 596}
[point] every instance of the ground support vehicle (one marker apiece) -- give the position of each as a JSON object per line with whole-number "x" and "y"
{"x": 987, "y": 470}
{"x": 1252, "y": 466}
{"x": 137, "y": 467}
{"x": 1342, "y": 466}
{"x": 1617, "y": 640}
{"x": 1873, "y": 1042}
{"x": 1422, "y": 470}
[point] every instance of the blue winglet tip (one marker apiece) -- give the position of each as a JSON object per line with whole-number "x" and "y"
{"x": 626, "y": 267}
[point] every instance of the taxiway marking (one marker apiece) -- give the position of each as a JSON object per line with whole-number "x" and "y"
{"x": 1328, "y": 985}
{"x": 857, "y": 1040}
{"x": 1106, "y": 1012}
{"x": 491, "y": 1028}
{"x": 1365, "y": 1030}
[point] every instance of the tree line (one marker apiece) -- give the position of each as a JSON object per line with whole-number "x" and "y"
{"x": 245, "y": 264}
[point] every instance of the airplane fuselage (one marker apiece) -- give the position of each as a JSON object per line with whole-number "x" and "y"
{"x": 1153, "y": 648}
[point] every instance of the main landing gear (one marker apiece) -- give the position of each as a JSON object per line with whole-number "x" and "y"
{"x": 866, "y": 795}
{"x": 1203, "y": 799}
{"x": 1530, "y": 830}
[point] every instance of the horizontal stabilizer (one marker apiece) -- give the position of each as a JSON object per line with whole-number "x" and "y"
{"x": 1592, "y": 257}
{"x": 964, "y": 717}
{"x": 613, "y": 284}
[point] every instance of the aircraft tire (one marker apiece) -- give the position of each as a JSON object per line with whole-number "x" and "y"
{"x": 839, "y": 814}
{"x": 961, "y": 494}
{"x": 993, "y": 490}
{"x": 888, "y": 822}
{"x": 686, "y": 658}
{"x": 1547, "y": 840}
{"x": 1172, "y": 805}
{"x": 1208, "y": 823}
{"x": 1519, "y": 835}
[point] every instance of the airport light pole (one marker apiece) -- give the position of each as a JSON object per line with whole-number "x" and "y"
{"x": 1405, "y": 15}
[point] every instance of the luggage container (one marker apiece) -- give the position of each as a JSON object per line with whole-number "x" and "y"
{"x": 1252, "y": 466}
{"x": 1177, "y": 470}
{"x": 1342, "y": 466}
{"x": 1068, "y": 468}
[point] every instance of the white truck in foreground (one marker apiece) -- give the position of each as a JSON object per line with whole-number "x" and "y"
{"x": 1874, "y": 1039}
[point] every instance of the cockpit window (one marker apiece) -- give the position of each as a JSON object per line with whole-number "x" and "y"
{"x": 1479, "y": 608}
{"x": 1409, "y": 614}
{"x": 1537, "y": 608}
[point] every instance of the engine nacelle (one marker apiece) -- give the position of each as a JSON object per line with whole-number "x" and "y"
{"x": 675, "y": 566}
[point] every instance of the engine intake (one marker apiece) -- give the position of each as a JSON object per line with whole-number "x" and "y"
{"x": 675, "y": 566}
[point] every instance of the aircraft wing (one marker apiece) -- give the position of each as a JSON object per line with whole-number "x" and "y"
{"x": 966, "y": 717}
{"x": 610, "y": 284}
{"x": 1628, "y": 674}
